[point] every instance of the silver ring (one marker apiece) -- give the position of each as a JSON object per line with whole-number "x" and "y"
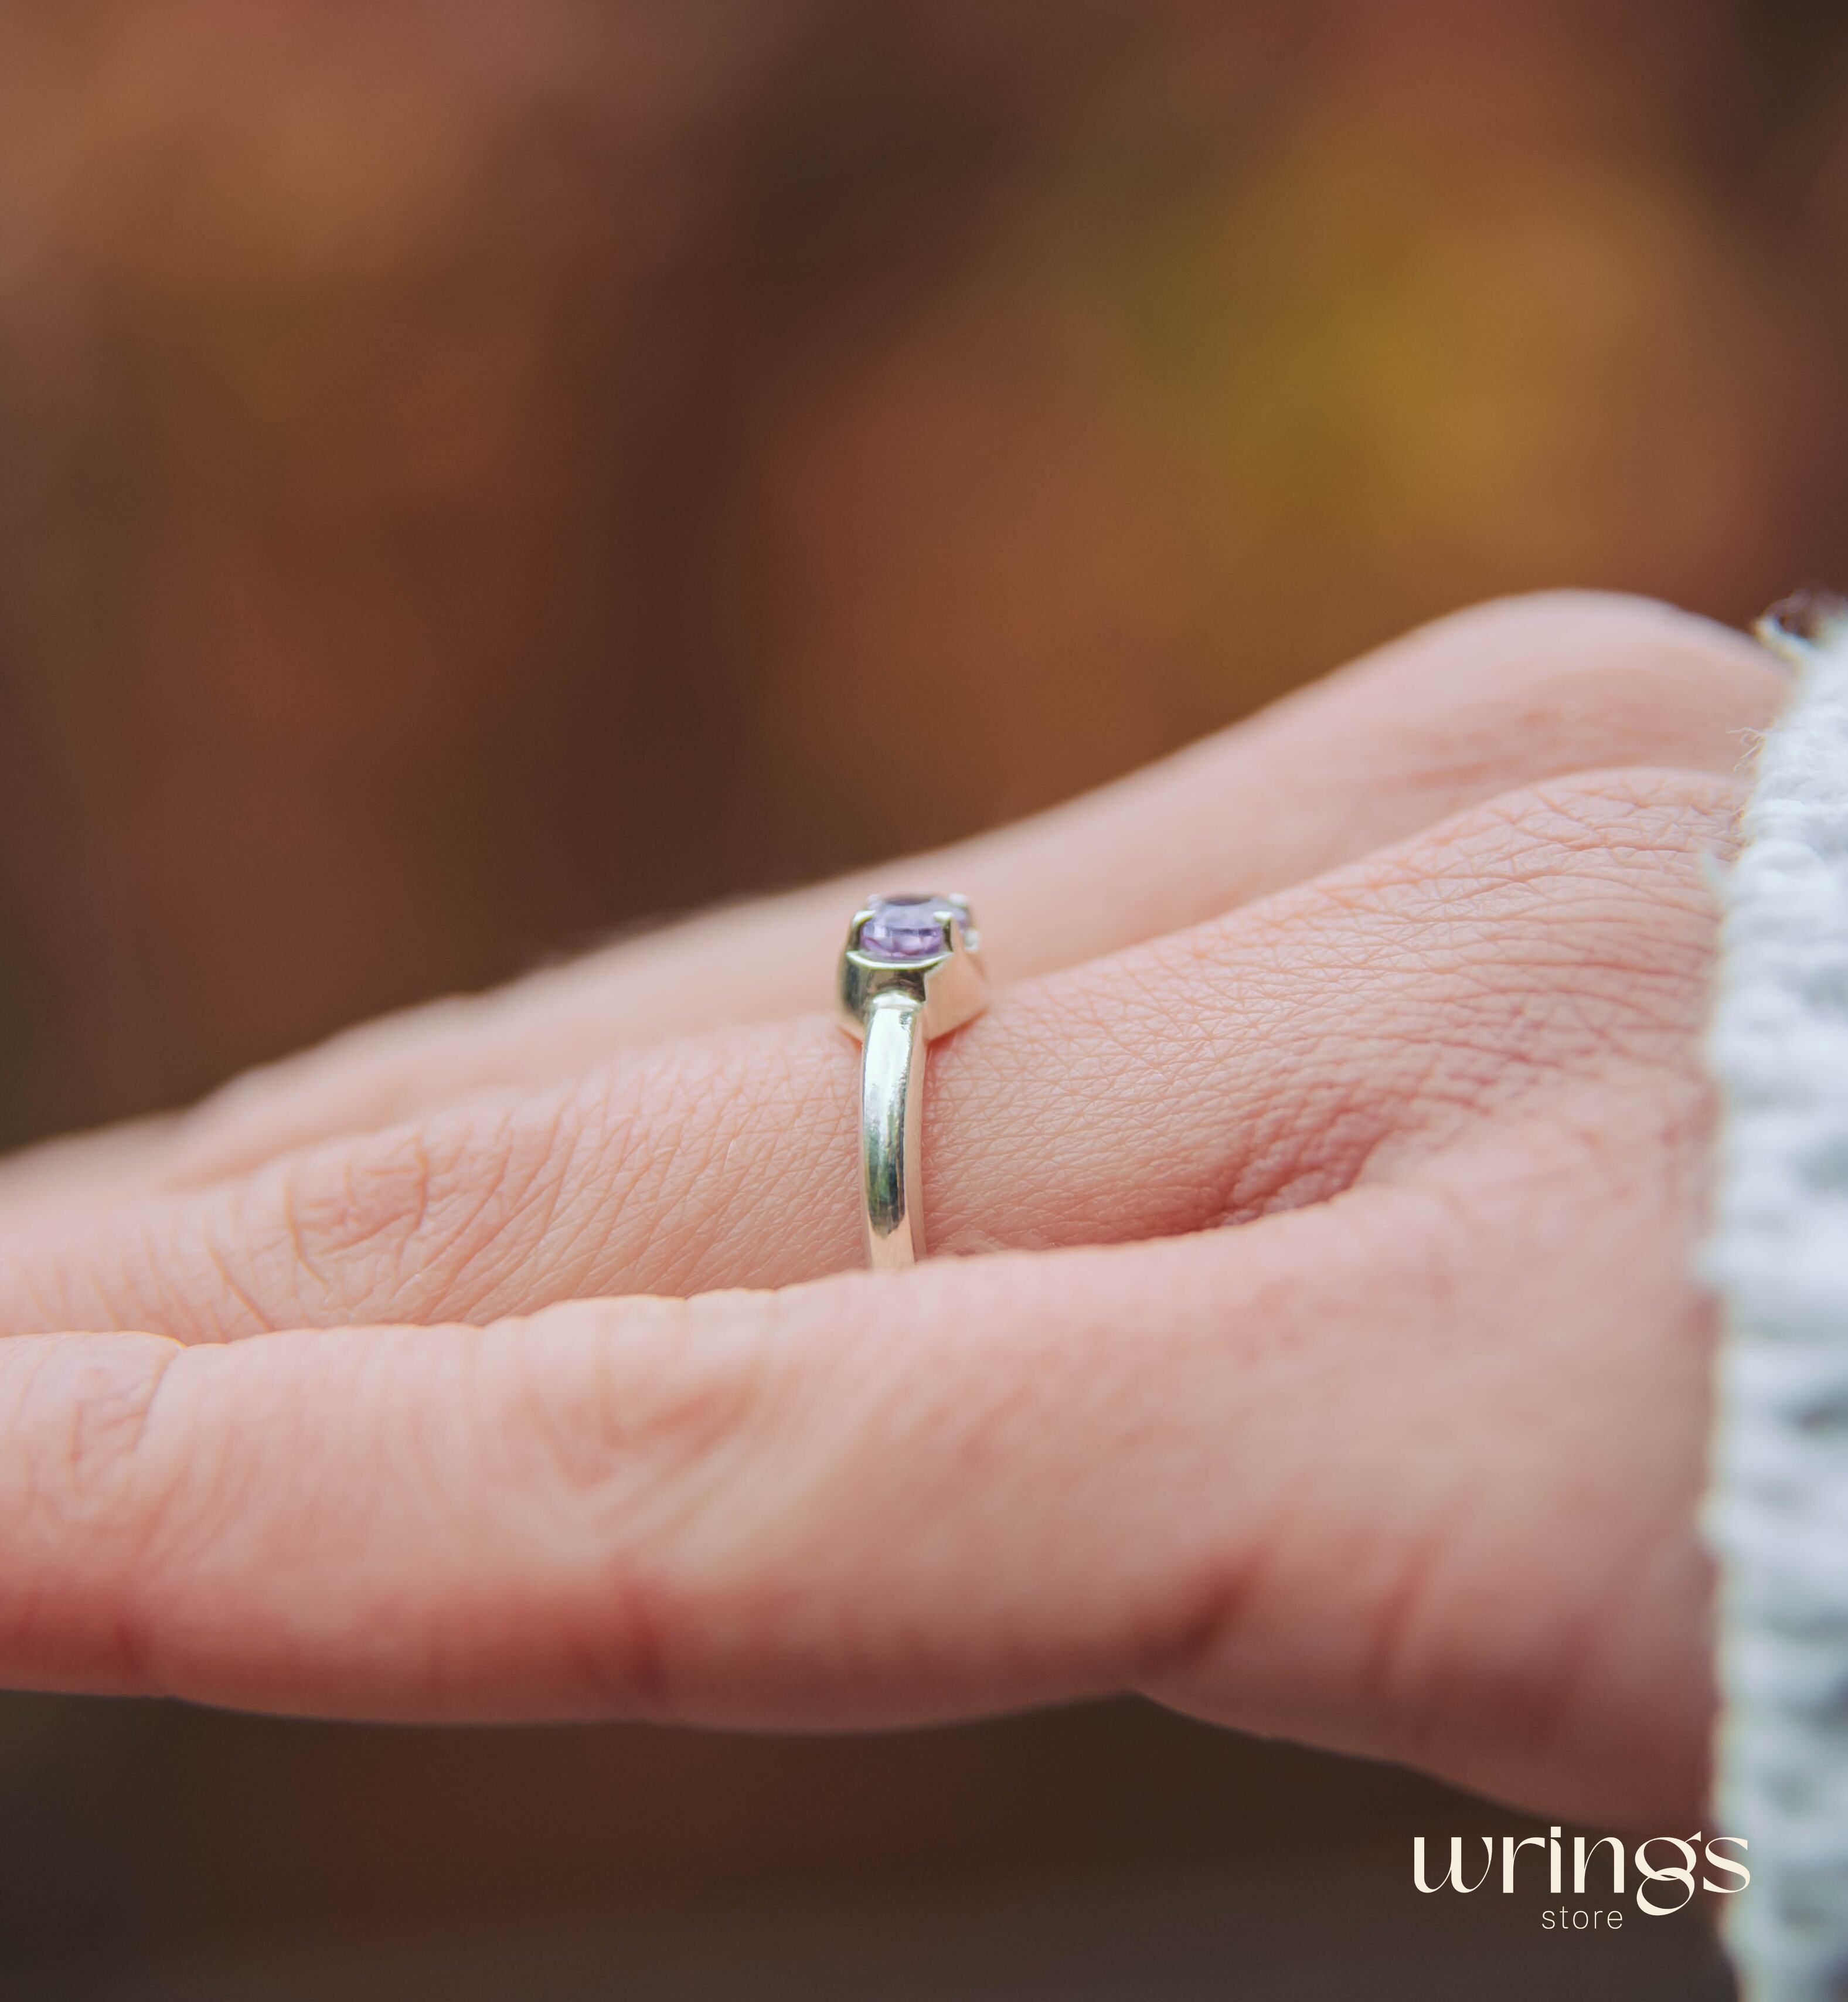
{"x": 911, "y": 971}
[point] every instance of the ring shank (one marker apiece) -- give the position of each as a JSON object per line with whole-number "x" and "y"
{"x": 891, "y": 1118}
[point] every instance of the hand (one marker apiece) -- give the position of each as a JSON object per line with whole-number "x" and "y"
{"x": 1342, "y": 1127}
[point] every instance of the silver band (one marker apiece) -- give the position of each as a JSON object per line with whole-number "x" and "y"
{"x": 891, "y": 1126}
{"x": 911, "y": 971}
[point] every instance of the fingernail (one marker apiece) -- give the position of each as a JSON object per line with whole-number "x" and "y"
{"x": 1796, "y": 626}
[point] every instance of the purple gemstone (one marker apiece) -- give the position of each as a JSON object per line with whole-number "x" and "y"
{"x": 905, "y": 927}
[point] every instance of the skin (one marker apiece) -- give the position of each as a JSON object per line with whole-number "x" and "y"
{"x": 1333, "y": 1368}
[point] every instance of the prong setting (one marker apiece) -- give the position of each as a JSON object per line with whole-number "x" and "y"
{"x": 949, "y": 983}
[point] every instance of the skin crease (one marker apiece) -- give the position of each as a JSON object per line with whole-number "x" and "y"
{"x": 1405, "y": 1464}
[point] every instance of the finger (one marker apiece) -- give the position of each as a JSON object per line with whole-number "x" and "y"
{"x": 1471, "y": 707}
{"x": 1269, "y": 1059}
{"x": 78, "y": 1167}
{"x": 1332, "y": 1476}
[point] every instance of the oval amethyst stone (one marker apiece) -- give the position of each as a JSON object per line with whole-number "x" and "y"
{"x": 905, "y": 927}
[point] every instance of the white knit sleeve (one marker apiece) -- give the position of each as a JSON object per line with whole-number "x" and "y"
{"x": 1777, "y": 1511}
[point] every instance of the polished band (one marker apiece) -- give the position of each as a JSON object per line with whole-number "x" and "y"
{"x": 911, "y": 971}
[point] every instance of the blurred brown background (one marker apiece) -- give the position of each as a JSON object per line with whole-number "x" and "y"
{"x": 475, "y": 472}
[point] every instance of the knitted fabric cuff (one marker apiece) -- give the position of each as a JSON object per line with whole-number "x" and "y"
{"x": 1777, "y": 1511}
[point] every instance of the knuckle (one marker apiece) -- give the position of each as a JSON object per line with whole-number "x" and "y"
{"x": 405, "y": 1221}
{"x": 614, "y": 1395}
{"x": 616, "y": 1182}
{"x": 82, "y": 1406}
{"x": 1561, "y": 681}
{"x": 1643, "y": 833}
{"x": 88, "y": 1468}
{"x": 1557, "y": 929}
{"x": 625, "y": 1431}
{"x": 1646, "y": 829}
